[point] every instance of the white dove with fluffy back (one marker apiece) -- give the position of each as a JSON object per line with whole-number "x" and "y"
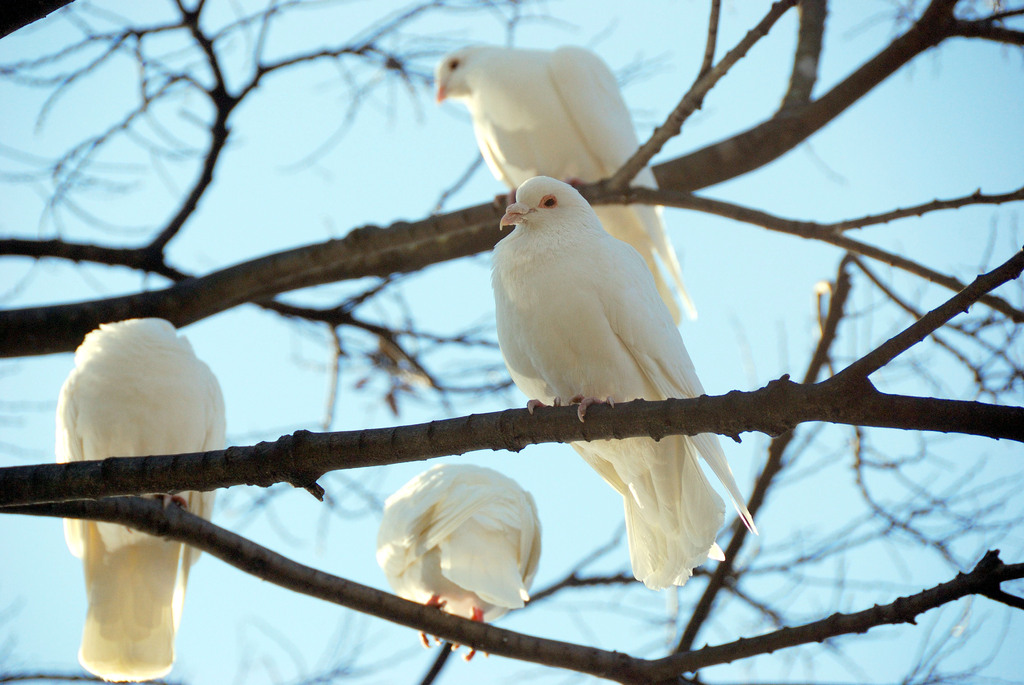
{"x": 559, "y": 113}
{"x": 461, "y": 537}
{"x": 137, "y": 389}
{"x": 578, "y": 315}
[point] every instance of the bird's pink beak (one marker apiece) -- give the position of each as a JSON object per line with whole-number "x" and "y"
{"x": 441, "y": 93}
{"x": 514, "y": 214}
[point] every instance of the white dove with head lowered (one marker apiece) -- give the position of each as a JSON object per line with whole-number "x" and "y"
{"x": 137, "y": 389}
{"x": 461, "y": 537}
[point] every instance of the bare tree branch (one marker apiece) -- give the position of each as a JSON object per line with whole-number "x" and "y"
{"x": 827, "y": 233}
{"x": 984, "y": 578}
{"x": 366, "y": 251}
{"x": 807, "y": 54}
{"x": 934, "y": 319}
{"x": 18, "y": 13}
{"x": 176, "y": 523}
{"x": 140, "y": 258}
{"x": 1005, "y": 598}
{"x": 301, "y": 458}
{"x": 709, "y": 47}
{"x": 375, "y": 251}
{"x": 773, "y": 465}
{"x": 771, "y": 139}
{"x": 989, "y": 28}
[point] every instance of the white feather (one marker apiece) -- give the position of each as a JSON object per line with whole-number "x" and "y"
{"x": 578, "y": 313}
{"x": 137, "y": 389}
{"x": 465, "y": 534}
{"x": 559, "y": 113}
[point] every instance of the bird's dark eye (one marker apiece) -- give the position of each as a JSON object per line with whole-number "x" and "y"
{"x": 549, "y": 201}
{"x": 454, "y": 64}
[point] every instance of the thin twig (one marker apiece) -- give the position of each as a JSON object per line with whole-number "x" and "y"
{"x": 934, "y": 319}
{"x": 694, "y": 97}
{"x": 709, "y": 48}
{"x": 773, "y": 465}
{"x": 825, "y": 232}
{"x": 435, "y": 668}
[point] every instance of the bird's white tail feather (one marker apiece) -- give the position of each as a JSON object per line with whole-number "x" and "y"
{"x": 672, "y": 512}
{"x": 712, "y": 452}
{"x": 131, "y": 623}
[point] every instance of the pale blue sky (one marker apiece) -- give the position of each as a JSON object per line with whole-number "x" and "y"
{"x": 944, "y": 126}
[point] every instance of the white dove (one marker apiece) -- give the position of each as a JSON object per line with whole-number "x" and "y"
{"x": 559, "y": 113}
{"x": 463, "y": 538}
{"x": 137, "y": 389}
{"x": 579, "y": 319}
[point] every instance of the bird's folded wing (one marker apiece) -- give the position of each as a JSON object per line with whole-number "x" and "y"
{"x": 484, "y": 559}
{"x": 646, "y": 330}
{"x": 458, "y": 505}
{"x": 592, "y": 101}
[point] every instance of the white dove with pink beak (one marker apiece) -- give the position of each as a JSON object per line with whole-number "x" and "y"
{"x": 579, "y": 319}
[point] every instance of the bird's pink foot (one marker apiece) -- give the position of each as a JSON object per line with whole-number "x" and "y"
{"x": 575, "y": 181}
{"x": 434, "y": 601}
{"x": 478, "y": 615}
{"x": 585, "y": 402}
{"x": 534, "y": 404}
{"x": 556, "y": 402}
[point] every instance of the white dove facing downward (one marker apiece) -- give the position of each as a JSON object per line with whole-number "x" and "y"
{"x": 463, "y": 538}
{"x": 137, "y": 389}
{"x": 559, "y": 113}
{"x": 578, "y": 315}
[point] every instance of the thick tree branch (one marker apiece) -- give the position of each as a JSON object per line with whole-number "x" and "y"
{"x": 375, "y": 251}
{"x": 303, "y": 457}
{"x": 367, "y": 251}
{"x": 175, "y": 523}
{"x": 17, "y": 13}
{"x": 144, "y": 259}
